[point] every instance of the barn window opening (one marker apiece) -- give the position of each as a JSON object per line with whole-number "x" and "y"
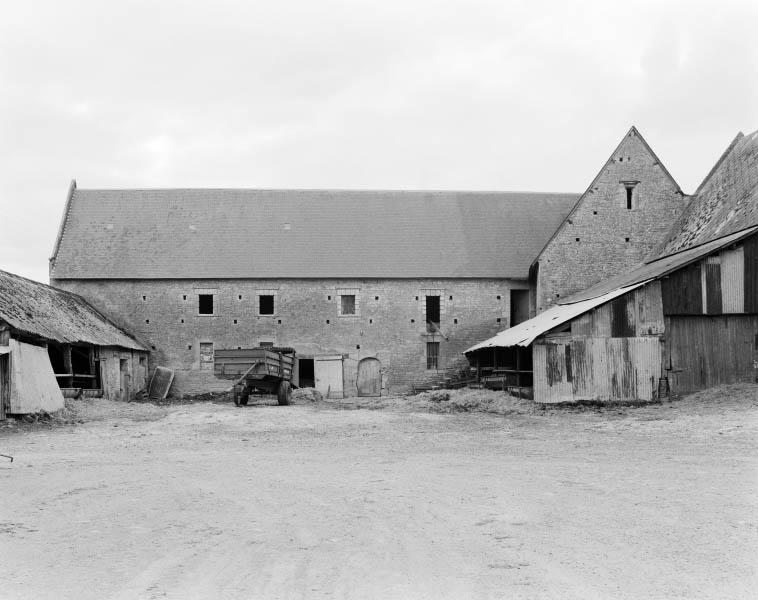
{"x": 455, "y": 321}
{"x": 266, "y": 344}
{"x": 577, "y": 239}
{"x": 239, "y": 297}
{"x": 432, "y": 355}
{"x": 626, "y": 239}
{"x": 328, "y": 297}
{"x": 266, "y": 304}
{"x": 184, "y": 297}
{"x": 498, "y": 319}
{"x": 144, "y": 298}
{"x": 432, "y": 313}
{"x": 147, "y": 320}
{"x": 376, "y": 297}
{"x": 182, "y": 320}
{"x": 279, "y": 322}
{"x": 629, "y": 193}
{"x": 519, "y": 306}
{"x": 327, "y": 321}
{"x": 205, "y": 304}
{"x": 235, "y": 321}
{"x": 347, "y": 304}
{"x": 370, "y": 321}
{"x": 358, "y": 347}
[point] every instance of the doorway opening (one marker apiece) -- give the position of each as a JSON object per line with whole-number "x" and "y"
{"x": 305, "y": 372}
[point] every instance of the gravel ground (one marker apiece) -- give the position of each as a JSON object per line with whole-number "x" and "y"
{"x": 406, "y": 500}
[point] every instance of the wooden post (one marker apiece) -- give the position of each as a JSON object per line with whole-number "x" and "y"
{"x": 67, "y": 367}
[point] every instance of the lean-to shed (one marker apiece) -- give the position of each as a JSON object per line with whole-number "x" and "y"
{"x": 53, "y": 343}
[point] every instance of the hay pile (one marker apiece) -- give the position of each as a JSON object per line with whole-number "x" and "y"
{"x": 306, "y": 396}
{"x": 446, "y": 401}
{"x": 471, "y": 400}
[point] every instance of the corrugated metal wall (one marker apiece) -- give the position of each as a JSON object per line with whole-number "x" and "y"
{"x": 703, "y": 351}
{"x": 723, "y": 283}
{"x": 598, "y": 368}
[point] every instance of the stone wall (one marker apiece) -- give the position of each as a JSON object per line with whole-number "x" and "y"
{"x": 389, "y": 324}
{"x": 602, "y": 236}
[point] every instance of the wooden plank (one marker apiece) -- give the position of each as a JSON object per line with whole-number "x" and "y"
{"x": 649, "y": 307}
{"x": 682, "y": 292}
{"x": 621, "y": 323}
{"x": 751, "y": 273}
{"x": 711, "y": 350}
{"x": 711, "y": 270}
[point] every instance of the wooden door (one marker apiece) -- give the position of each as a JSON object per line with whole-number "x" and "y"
{"x": 124, "y": 379}
{"x": 369, "y": 377}
{"x": 4, "y": 385}
{"x": 328, "y": 371}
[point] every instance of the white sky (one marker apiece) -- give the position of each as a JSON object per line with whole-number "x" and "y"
{"x": 392, "y": 94}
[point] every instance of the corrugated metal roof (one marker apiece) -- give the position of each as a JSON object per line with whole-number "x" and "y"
{"x": 196, "y": 233}
{"x": 53, "y": 314}
{"x": 660, "y": 267}
{"x": 525, "y": 333}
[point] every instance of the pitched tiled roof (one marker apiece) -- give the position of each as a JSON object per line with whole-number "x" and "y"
{"x": 216, "y": 233}
{"x": 726, "y": 201}
{"x": 52, "y": 314}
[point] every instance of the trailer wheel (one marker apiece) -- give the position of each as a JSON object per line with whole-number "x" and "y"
{"x": 284, "y": 393}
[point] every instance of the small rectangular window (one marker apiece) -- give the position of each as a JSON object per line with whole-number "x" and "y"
{"x": 266, "y": 344}
{"x": 266, "y": 304}
{"x": 348, "y": 304}
{"x": 629, "y": 194}
{"x": 432, "y": 355}
{"x": 205, "y": 304}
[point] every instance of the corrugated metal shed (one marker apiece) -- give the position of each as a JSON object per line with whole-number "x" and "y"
{"x": 52, "y": 314}
{"x": 196, "y": 233}
{"x": 525, "y": 333}
{"x": 660, "y": 267}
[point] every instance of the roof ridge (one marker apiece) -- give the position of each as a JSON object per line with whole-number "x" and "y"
{"x": 330, "y": 190}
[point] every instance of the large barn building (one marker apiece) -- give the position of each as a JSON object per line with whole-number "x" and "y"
{"x": 397, "y": 283}
{"x": 684, "y": 319}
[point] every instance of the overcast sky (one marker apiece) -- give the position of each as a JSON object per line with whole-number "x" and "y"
{"x": 387, "y": 94}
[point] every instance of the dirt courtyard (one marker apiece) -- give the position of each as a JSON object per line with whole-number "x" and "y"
{"x": 211, "y": 501}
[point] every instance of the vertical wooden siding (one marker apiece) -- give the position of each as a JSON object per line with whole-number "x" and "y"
{"x": 704, "y": 351}
{"x": 682, "y": 292}
{"x": 711, "y": 270}
{"x": 751, "y": 274}
{"x": 597, "y": 369}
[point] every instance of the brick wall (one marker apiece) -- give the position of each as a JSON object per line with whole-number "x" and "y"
{"x": 390, "y": 323}
{"x": 602, "y": 237}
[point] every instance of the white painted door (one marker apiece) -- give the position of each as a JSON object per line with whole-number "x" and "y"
{"x": 328, "y": 373}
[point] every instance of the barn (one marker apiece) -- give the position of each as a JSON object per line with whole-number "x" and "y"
{"x": 376, "y": 291}
{"x": 683, "y": 320}
{"x": 54, "y": 344}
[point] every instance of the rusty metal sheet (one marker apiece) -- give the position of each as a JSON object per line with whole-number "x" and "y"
{"x": 160, "y": 384}
{"x": 32, "y": 381}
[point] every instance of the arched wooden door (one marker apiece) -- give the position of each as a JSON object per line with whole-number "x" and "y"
{"x": 370, "y": 377}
